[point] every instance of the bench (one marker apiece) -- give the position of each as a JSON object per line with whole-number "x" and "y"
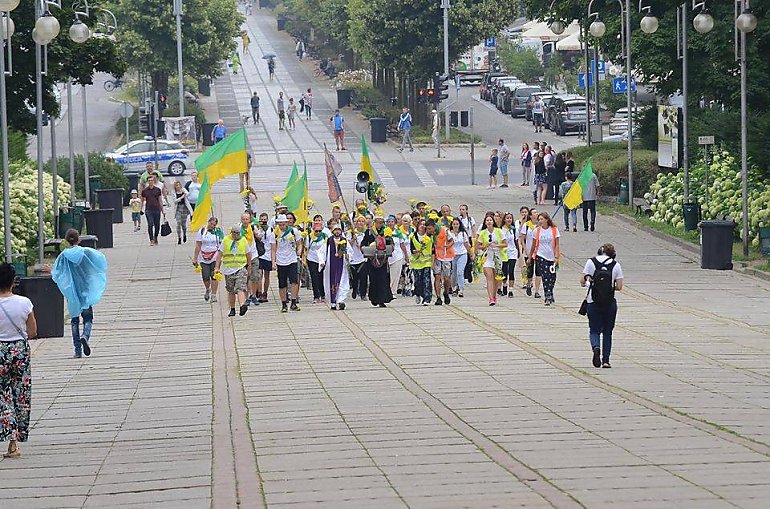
{"x": 643, "y": 207}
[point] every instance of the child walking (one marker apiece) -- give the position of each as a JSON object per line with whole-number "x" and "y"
{"x": 493, "y": 169}
{"x": 135, "y": 203}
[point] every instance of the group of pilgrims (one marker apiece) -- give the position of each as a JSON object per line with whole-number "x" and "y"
{"x": 422, "y": 253}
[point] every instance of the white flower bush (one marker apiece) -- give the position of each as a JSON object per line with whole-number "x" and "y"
{"x": 717, "y": 189}
{"x": 353, "y": 78}
{"x": 23, "y": 195}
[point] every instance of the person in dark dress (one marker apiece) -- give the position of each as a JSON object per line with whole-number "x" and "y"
{"x": 379, "y": 279}
{"x": 557, "y": 176}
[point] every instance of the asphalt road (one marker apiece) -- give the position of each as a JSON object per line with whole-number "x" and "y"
{"x": 102, "y": 115}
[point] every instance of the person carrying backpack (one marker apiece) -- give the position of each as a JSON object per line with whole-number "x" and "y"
{"x": 606, "y": 277}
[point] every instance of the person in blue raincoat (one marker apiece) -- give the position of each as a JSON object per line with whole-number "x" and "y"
{"x": 81, "y": 275}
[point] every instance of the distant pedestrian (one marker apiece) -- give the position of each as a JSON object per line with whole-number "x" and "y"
{"x": 271, "y": 67}
{"x": 235, "y": 265}
{"x": 538, "y": 112}
{"x": 590, "y": 193}
{"x": 81, "y": 275}
{"x": 504, "y": 153}
{"x": 153, "y": 209}
{"x": 149, "y": 169}
{"x": 193, "y": 189}
{"x": 307, "y": 105}
{"x": 338, "y": 124}
{"x": 300, "y": 49}
{"x": 255, "y": 107}
{"x": 291, "y": 113}
{"x": 281, "y": 105}
{"x": 17, "y": 325}
{"x": 606, "y": 277}
{"x": 218, "y": 133}
{"x": 526, "y": 164}
{"x": 235, "y": 59}
{"x": 557, "y": 176}
{"x": 245, "y": 39}
{"x": 405, "y": 125}
{"x": 182, "y": 211}
{"x": 493, "y": 169}
{"x": 207, "y": 254}
{"x": 135, "y": 204}
{"x": 563, "y": 190}
{"x": 540, "y": 179}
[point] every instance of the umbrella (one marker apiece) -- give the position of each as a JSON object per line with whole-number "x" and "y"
{"x": 269, "y": 55}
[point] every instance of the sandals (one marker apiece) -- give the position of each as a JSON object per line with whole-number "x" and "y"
{"x": 14, "y": 452}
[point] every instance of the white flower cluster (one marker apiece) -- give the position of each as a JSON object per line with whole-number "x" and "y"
{"x": 353, "y": 77}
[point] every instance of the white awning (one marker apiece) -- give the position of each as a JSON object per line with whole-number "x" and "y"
{"x": 570, "y": 43}
{"x": 542, "y": 31}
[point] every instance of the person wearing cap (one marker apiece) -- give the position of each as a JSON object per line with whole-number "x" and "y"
{"x": 335, "y": 276}
{"x": 234, "y": 263}
{"x": 286, "y": 250}
{"x": 379, "y": 279}
{"x": 264, "y": 233}
{"x": 135, "y": 204}
{"x": 280, "y": 208}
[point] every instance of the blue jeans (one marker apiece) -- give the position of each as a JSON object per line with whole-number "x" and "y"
{"x": 458, "y": 271}
{"x": 601, "y": 321}
{"x": 88, "y": 321}
{"x": 567, "y": 214}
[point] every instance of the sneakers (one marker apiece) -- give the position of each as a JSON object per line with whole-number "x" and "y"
{"x": 566, "y": 228}
{"x": 207, "y": 295}
{"x": 232, "y": 312}
{"x": 425, "y": 302}
{"x": 77, "y": 355}
{"x": 606, "y": 365}
{"x": 86, "y": 347}
{"x": 592, "y": 229}
{"x": 284, "y": 308}
{"x": 417, "y": 299}
{"x": 438, "y": 301}
{"x": 537, "y": 295}
{"x": 596, "y": 359}
{"x": 574, "y": 228}
{"x": 510, "y": 295}
{"x": 213, "y": 298}
{"x": 504, "y": 185}
{"x": 341, "y": 306}
{"x": 447, "y": 300}
{"x": 529, "y": 291}
{"x": 460, "y": 294}
{"x": 294, "y": 306}
{"x": 242, "y": 311}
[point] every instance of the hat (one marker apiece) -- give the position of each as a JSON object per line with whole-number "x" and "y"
{"x": 134, "y": 191}
{"x": 236, "y": 228}
{"x": 378, "y": 215}
{"x": 390, "y": 217}
{"x": 281, "y": 218}
{"x": 406, "y": 217}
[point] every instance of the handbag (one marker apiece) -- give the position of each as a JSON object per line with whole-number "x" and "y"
{"x": 165, "y": 228}
{"x": 583, "y": 311}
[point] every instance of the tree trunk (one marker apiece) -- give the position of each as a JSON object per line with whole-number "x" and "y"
{"x": 159, "y": 83}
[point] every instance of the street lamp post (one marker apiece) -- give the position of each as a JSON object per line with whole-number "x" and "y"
{"x": 6, "y": 6}
{"x": 180, "y": 71}
{"x": 745, "y": 22}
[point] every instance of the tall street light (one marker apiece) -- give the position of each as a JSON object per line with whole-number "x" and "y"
{"x": 598, "y": 29}
{"x": 745, "y": 22}
{"x": 7, "y": 28}
{"x": 180, "y": 71}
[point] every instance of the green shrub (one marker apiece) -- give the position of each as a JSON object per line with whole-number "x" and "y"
{"x": 610, "y": 163}
{"x": 110, "y": 173}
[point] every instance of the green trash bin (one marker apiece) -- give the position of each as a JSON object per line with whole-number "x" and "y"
{"x": 623, "y": 191}
{"x": 95, "y": 183}
{"x": 691, "y": 212}
{"x": 19, "y": 262}
{"x": 764, "y": 240}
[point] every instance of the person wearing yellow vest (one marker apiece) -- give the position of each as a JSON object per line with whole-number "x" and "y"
{"x": 420, "y": 262}
{"x": 545, "y": 253}
{"x": 444, "y": 255}
{"x": 235, "y": 264}
{"x": 492, "y": 247}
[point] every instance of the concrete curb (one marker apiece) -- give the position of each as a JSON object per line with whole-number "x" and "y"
{"x": 693, "y": 248}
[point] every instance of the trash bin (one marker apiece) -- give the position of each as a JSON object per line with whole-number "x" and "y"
{"x": 379, "y": 129}
{"x": 99, "y": 223}
{"x": 19, "y": 262}
{"x": 344, "y": 97}
{"x": 133, "y": 183}
{"x": 716, "y": 244}
{"x": 764, "y": 240}
{"x": 112, "y": 199}
{"x": 691, "y": 213}
{"x": 280, "y": 24}
{"x": 48, "y": 303}
{"x": 95, "y": 183}
{"x": 204, "y": 86}
{"x": 623, "y": 191}
{"x": 207, "y": 128}
{"x": 91, "y": 241}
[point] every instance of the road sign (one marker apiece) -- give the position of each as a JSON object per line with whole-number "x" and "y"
{"x": 126, "y": 110}
{"x": 490, "y": 43}
{"x": 582, "y": 79}
{"x": 602, "y": 67}
{"x": 619, "y": 85}
{"x": 705, "y": 140}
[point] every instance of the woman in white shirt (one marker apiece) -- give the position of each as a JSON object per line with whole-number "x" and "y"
{"x": 462, "y": 245}
{"x": 400, "y": 253}
{"x": 315, "y": 245}
{"x": 17, "y": 325}
{"x": 206, "y": 254}
{"x": 545, "y": 253}
{"x": 509, "y": 267}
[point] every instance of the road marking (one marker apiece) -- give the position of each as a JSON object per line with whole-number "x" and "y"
{"x": 423, "y": 175}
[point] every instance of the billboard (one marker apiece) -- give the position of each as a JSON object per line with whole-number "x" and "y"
{"x": 668, "y": 136}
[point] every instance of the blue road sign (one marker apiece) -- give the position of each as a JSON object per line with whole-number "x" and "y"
{"x": 490, "y": 43}
{"x": 602, "y": 67}
{"x": 619, "y": 85}
{"x": 582, "y": 79}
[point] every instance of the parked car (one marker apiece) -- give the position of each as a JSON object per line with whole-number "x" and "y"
{"x": 519, "y": 99}
{"x": 570, "y": 115}
{"x": 497, "y": 87}
{"x": 619, "y": 122}
{"x": 503, "y": 101}
{"x": 550, "y": 108}
{"x": 486, "y": 83}
{"x": 545, "y": 96}
{"x": 173, "y": 158}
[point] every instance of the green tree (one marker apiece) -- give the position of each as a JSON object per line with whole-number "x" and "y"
{"x": 524, "y": 63}
{"x": 65, "y": 59}
{"x": 147, "y": 37}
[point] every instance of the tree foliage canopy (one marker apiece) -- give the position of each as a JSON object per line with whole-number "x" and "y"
{"x": 524, "y": 63}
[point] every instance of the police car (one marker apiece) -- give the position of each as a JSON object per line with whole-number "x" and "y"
{"x": 173, "y": 158}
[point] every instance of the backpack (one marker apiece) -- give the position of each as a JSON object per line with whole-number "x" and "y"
{"x": 602, "y": 289}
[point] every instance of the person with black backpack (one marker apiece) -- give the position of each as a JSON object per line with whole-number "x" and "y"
{"x": 605, "y": 277}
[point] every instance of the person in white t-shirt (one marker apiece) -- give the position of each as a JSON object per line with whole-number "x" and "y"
{"x": 264, "y": 233}
{"x": 207, "y": 243}
{"x": 462, "y": 245}
{"x": 315, "y": 246}
{"x": 545, "y": 253}
{"x": 286, "y": 248}
{"x": 602, "y": 315}
{"x": 400, "y": 254}
{"x": 511, "y": 234}
{"x": 17, "y": 325}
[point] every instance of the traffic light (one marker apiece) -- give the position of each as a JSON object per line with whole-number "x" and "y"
{"x": 422, "y": 95}
{"x": 440, "y": 87}
{"x": 363, "y": 179}
{"x": 144, "y": 120}
{"x": 162, "y": 103}
{"x": 431, "y": 93}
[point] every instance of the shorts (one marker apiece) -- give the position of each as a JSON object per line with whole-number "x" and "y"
{"x": 255, "y": 276}
{"x": 265, "y": 265}
{"x": 442, "y": 268}
{"x": 207, "y": 270}
{"x": 136, "y": 216}
{"x": 538, "y": 118}
{"x": 338, "y": 135}
{"x": 235, "y": 283}
{"x": 281, "y": 115}
{"x": 532, "y": 270}
{"x": 287, "y": 274}
{"x": 493, "y": 171}
{"x": 503, "y": 168}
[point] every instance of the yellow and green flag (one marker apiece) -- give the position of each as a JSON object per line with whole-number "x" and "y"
{"x": 228, "y": 157}
{"x": 574, "y": 196}
{"x": 366, "y": 163}
{"x": 295, "y": 196}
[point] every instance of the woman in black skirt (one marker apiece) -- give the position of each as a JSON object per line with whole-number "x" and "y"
{"x": 379, "y": 279}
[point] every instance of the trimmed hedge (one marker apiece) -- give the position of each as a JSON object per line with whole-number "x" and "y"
{"x": 610, "y": 163}
{"x": 110, "y": 173}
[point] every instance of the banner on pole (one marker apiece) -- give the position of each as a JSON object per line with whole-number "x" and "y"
{"x": 181, "y": 129}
